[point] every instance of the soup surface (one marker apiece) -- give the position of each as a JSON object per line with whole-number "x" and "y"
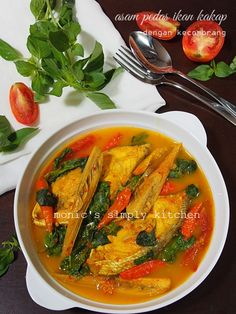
{"x": 121, "y": 215}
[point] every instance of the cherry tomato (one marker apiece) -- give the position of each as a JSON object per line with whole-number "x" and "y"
{"x": 156, "y": 25}
{"x": 23, "y": 106}
{"x": 203, "y": 40}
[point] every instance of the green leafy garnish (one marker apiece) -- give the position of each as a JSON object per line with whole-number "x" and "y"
{"x": 192, "y": 191}
{"x": 139, "y": 139}
{"x": 175, "y": 246}
{"x": 7, "y": 254}
{"x": 221, "y": 69}
{"x": 59, "y": 159}
{"x": 53, "y": 241}
{"x": 7, "y": 52}
{"x": 145, "y": 238}
{"x": 100, "y": 236}
{"x": 57, "y": 59}
{"x": 10, "y": 139}
{"x": 183, "y": 166}
{"x": 147, "y": 257}
{"x": 75, "y": 263}
{"x": 45, "y": 198}
{"x": 65, "y": 167}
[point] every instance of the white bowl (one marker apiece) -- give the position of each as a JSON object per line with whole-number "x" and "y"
{"x": 182, "y": 127}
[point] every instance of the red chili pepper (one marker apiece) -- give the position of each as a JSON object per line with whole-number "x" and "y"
{"x": 190, "y": 255}
{"x": 80, "y": 145}
{"x": 113, "y": 142}
{"x": 191, "y": 221}
{"x": 120, "y": 203}
{"x": 41, "y": 184}
{"x": 141, "y": 270}
{"x": 47, "y": 212}
{"x": 168, "y": 188}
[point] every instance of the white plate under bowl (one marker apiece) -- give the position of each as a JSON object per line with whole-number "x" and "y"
{"x": 182, "y": 127}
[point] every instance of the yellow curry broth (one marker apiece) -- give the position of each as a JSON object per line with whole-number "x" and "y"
{"x": 177, "y": 272}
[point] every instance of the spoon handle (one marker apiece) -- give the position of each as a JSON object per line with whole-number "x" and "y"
{"x": 225, "y": 103}
{"x": 211, "y": 104}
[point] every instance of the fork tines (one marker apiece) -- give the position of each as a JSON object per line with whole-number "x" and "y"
{"x": 126, "y": 59}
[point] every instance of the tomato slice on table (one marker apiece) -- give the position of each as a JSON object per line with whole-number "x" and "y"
{"x": 23, "y": 106}
{"x": 157, "y": 25}
{"x": 203, "y": 40}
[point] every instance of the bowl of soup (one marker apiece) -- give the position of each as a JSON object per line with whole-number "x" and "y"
{"x": 121, "y": 212}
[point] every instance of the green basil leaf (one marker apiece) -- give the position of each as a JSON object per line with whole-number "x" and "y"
{"x": 40, "y": 98}
{"x": 65, "y": 167}
{"x": 65, "y": 14}
{"x": 6, "y": 258}
{"x": 223, "y": 70}
{"x": 4, "y": 142}
{"x": 57, "y": 88}
{"x": 18, "y": 138}
{"x": 96, "y": 59}
{"x": 192, "y": 191}
{"x": 52, "y": 67}
{"x": 38, "y": 8}
{"x": 59, "y": 40}
{"x": 41, "y": 29}
{"x": 202, "y": 72}
{"x": 145, "y": 238}
{"x": 77, "y": 70}
{"x": 5, "y": 126}
{"x": 25, "y": 68}
{"x": 41, "y": 83}
{"x": 110, "y": 75}
{"x": 45, "y": 198}
{"x": 77, "y": 50}
{"x": 38, "y": 47}
{"x": 72, "y": 30}
{"x": 101, "y": 100}
{"x": 7, "y": 52}
{"x": 139, "y": 139}
{"x": 94, "y": 80}
{"x": 233, "y": 64}
{"x": 60, "y": 58}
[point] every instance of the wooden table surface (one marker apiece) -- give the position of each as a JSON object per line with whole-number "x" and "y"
{"x": 217, "y": 293}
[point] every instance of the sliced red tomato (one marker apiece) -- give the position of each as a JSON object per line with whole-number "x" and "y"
{"x": 157, "y": 25}
{"x": 203, "y": 40}
{"x": 23, "y": 106}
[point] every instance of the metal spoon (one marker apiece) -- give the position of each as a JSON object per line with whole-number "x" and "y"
{"x": 156, "y": 58}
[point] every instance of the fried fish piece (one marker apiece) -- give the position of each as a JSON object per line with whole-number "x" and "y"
{"x": 119, "y": 163}
{"x": 169, "y": 213}
{"x": 147, "y": 192}
{"x": 119, "y": 254}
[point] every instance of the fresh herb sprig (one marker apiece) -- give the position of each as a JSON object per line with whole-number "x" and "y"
{"x": 221, "y": 69}
{"x": 57, "y": 59}
{"x": 10, "y": 139}
{"x": 7, "y": 254}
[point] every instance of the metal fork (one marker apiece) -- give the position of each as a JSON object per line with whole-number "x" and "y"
{"x": 127, "y": 60}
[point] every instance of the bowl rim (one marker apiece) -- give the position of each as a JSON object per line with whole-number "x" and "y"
{"x": 118, "y": 308}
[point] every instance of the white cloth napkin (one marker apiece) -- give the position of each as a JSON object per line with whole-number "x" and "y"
{"x": 126, "y": 91}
